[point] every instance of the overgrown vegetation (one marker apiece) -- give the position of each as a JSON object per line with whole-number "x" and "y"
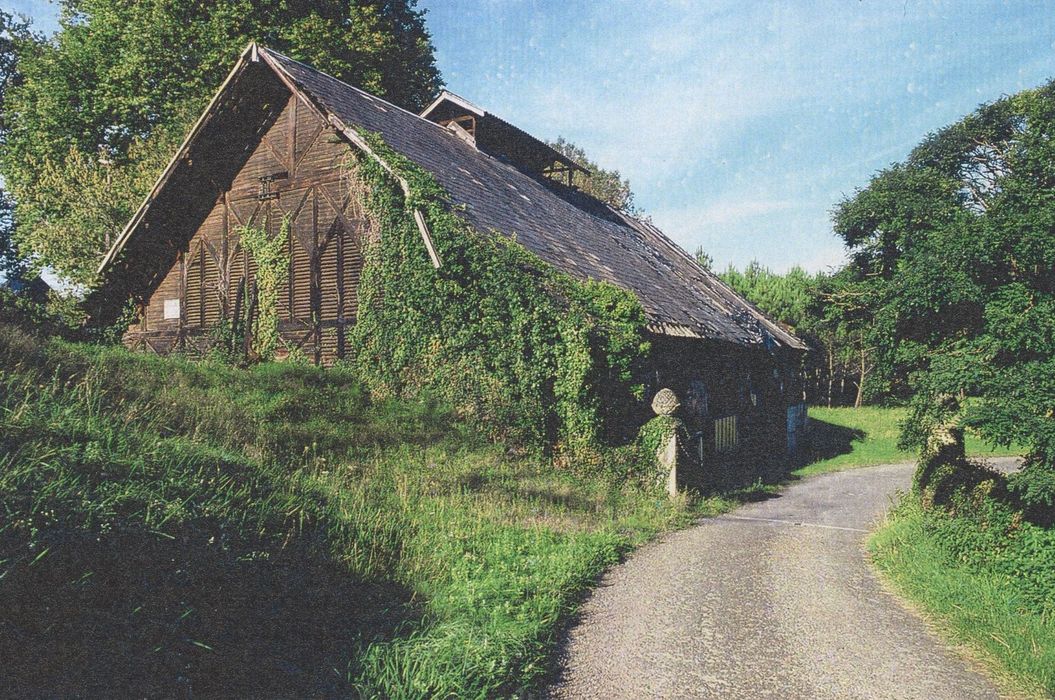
{"x": 971, "y": 605}
{"x": 508, "y": 341}
{"x": 272, "y": 271}
{"x": 176, "y": 524}
{"x": 971, "y": 550}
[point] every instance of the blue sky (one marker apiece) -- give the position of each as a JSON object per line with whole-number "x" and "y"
{"x": 739, "y": 124}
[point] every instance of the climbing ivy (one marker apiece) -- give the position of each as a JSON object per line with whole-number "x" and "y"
{"x": 655, "y": 433}
{"x": 505, "y": 338}
{"x": 272, "y": 272}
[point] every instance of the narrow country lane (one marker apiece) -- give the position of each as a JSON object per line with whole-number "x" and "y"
{"x": 774, "y": 600}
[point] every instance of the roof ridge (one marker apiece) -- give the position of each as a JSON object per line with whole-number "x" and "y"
{"x": 360, "y": 90}
{"x": 442, "y": 129}
{"x": 420, "y": 118}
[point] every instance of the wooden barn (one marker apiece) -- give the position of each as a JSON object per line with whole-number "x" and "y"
{"x": 273, "y": 144}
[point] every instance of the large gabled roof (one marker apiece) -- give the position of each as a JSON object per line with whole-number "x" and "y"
{"x": 567, "y": 229}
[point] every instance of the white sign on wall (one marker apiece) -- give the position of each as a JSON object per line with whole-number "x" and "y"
{"x": 171, "y": 308}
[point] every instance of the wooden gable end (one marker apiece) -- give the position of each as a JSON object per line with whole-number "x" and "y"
{"x": 295, "y": 171}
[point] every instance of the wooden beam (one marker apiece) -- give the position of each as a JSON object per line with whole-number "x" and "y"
{"x": 462, "y": 133}
{"x": 353, "y": 136}
{"x": 419, "y": 218}
{"x": 248, "y": 54}
{"x": 339, "y": 211}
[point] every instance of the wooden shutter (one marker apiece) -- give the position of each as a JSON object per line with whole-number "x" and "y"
{"x": 300, "y": 274}
{"x": 210, "y": 289}
{"x": 193, "y": 303}
{"x": 331, "y": 287}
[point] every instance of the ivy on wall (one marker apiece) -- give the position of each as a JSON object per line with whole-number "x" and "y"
{"x": 528, "y": 351}
{"x": 272, "y": 275}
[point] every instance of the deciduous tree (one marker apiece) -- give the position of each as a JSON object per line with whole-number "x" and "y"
{"x": 11, "y": 29}
{"x": 954, "y": 256}
{"x": 606, "y": 185}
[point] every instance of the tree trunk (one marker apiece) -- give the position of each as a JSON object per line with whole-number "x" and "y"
{"x": 831, "y": 373}
{"x": 861, "y": 382}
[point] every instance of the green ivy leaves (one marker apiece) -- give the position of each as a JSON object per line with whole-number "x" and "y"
{"x": 272, "y": 273}
{"x": 531, "y": 353}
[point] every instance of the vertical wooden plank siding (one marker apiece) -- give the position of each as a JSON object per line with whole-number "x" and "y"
{"x": 307, "y": 184}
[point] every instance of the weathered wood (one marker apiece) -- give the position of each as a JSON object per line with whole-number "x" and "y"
{"x": 181, "y": 152}
{"x": 306, "y": 185}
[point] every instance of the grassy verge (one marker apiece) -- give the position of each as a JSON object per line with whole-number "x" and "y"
{"x": 170, "y": 527}
{"x": 971, "y": 605}
{"x": 846, "y": 438}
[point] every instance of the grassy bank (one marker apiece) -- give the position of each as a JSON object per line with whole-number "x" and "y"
{"x": 171, "y": 527}
{"x": 977, "y": 603}
{"x": 846, "y": 438}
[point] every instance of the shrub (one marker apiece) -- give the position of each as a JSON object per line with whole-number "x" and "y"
{"x": 1034, "y": 487}
{"x": 981, "y": 520}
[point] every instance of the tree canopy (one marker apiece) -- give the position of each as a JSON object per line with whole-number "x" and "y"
{"x": 104, "y": 101}
{"x": 606, "y": 185}
{"x": 954, "y": 268}
{"x": 10, "y": 29}
{"x": 786, "y": 297}
{"x": 839, "y": 363}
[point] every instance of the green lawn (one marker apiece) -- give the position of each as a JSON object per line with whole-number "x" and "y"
{"x": 845, "y": 438}
{"x": 974, "y": 607}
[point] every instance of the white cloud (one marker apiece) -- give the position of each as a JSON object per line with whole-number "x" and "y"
{"x": 692, "y": 83}
{"x": 738, "y": 210}
{"x": 685, "y": 222}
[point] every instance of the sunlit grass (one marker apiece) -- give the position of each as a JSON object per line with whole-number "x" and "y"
{"x": 846, "y": 438}
{"x": 970, "y": 607}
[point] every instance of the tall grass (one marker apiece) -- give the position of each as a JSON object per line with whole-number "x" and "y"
{"x": 974, "y": 606}
{"x": 168, "y": 525}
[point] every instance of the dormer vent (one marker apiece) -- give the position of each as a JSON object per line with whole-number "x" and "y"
{"x": 498, "y": 138}
{"x": 467, "y": 123}
{"x": 461, "y": 132}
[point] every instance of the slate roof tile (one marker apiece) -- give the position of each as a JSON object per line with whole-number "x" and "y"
{"x": 567, "y": 229}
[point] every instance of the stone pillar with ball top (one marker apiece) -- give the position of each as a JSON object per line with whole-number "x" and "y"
{"x": 660, "y": 436}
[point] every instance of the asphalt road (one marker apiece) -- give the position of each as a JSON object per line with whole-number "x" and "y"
{"x": 774, "y": 600}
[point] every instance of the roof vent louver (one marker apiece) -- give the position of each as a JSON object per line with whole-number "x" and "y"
{"x": 497, "y": 137}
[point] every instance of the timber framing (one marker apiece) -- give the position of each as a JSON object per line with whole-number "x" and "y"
{"x": 253, "y": 54}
